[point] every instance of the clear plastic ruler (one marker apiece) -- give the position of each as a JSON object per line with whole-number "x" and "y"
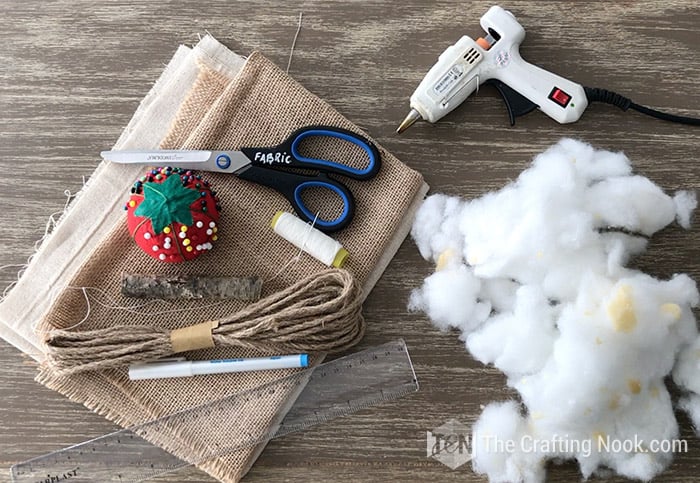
{"x": 317, "y": 395}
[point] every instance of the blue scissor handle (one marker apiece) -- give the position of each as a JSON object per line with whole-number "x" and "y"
{"x": 286, "y": 154}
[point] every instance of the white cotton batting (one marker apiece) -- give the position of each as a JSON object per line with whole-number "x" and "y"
{"x": 449, "y": 297}
{"x": 686, "y": 202}
{"x": 493, "y": 455}
{"x": 691, "y": 405}
{"x": 686, "y": 375}
{"x": 631, "y": 202}
{"x": 435, "y": 229}
{"x": 534, "y": 276}
{"x": 507, "y": 341}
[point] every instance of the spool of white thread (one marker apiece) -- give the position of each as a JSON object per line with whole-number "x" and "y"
{"x": 308, "y": 239}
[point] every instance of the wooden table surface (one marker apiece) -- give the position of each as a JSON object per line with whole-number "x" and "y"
{"x": 73, "y": 72}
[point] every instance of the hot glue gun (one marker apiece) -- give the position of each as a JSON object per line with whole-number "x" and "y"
{"x": 495, "y": 59}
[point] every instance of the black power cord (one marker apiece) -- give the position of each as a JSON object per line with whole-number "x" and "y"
{"x": 594, "y": 94}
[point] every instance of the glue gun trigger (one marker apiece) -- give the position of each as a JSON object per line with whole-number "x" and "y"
{"x": 516, "y": 104}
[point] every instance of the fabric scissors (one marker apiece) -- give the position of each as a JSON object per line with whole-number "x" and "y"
{"x": 266, "y": 166}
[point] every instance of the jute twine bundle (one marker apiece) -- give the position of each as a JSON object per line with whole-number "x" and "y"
{"x": 321, "y": 313}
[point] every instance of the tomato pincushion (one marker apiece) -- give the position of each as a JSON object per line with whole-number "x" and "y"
{"x": 173, "y": 214}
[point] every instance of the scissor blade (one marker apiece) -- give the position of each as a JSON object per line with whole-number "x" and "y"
{"x": 160, "y": 157}
{"x": 217, "y": 161}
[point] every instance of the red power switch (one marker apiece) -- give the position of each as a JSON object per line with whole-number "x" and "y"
{"x": 560, "y": 97}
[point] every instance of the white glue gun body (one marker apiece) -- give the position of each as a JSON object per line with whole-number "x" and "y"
{"x": 495, "y": 60}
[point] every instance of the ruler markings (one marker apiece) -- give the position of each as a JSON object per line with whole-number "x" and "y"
{"x": 329, "y": 391}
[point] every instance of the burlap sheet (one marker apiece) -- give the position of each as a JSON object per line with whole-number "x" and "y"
{"x": 259, "y": 106}
{"x": 95, "y": 209}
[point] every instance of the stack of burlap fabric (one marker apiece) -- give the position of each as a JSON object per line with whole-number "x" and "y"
{"x": 207, "y": 98}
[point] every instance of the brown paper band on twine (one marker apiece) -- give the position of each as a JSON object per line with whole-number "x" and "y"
{"x": 198, "y": 336}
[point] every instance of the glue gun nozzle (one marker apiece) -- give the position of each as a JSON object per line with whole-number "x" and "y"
{"x": 412, "y": 117}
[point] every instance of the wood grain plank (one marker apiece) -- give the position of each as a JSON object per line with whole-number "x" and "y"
{"x": 74, "y": 71}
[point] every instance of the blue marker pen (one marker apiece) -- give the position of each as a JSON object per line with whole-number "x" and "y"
{"x": 182, "y": 368}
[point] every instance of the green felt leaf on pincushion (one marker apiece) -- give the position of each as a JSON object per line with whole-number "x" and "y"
{"x": 167, "y": 202}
